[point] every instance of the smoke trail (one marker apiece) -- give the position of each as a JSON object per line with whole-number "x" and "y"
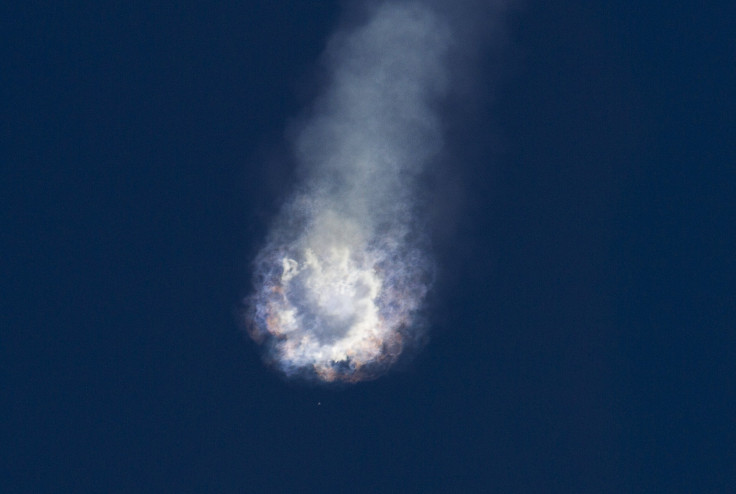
{"x": 341, "y": 279}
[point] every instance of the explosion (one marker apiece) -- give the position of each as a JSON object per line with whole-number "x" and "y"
{"x": 340, "y": 282}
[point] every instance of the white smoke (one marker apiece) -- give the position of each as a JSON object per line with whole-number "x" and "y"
{"x": 342, "y": 277}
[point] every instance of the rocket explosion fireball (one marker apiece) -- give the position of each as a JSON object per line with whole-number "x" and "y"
{"x": 335, "y": 305}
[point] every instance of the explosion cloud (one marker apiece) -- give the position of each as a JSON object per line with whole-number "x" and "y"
{"x": 341, "y": 279}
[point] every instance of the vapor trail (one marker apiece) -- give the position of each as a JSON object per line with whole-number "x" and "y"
{"x": 345, "y": 268}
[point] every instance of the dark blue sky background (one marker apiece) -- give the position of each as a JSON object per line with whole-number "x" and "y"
{"x": 583, "y": 332}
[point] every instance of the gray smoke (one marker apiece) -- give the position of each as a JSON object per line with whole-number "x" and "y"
{"x": 346, "y": 267}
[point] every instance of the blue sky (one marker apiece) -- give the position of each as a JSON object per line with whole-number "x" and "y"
{"x": 581, "y": 326}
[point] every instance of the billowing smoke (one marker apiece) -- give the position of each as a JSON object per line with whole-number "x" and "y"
{"x": 341, "y": 279}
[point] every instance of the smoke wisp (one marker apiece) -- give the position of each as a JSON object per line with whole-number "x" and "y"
{"x": 345, "y": 268}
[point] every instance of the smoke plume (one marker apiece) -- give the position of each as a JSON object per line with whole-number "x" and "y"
{"x": 345, "y": 268}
